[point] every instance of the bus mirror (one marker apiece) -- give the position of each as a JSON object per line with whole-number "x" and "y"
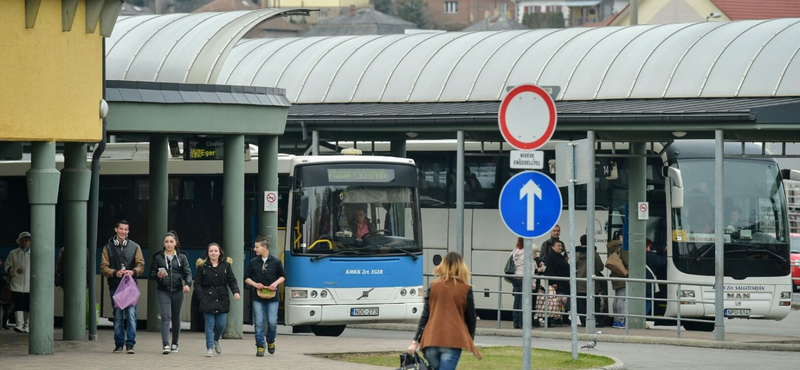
{"x": 790, "y": 174}
{"x": 676, "y": 194}
{"x": 676, "y": 191}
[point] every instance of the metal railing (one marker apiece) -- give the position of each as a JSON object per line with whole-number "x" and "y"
{"x": 590, "y": 298}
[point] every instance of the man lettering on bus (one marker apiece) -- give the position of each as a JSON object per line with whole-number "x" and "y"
{"x": 265, "y": 273}
{"x": 122, "y": 256}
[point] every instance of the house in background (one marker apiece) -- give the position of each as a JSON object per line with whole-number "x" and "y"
{"x": 328, "y": 9}
{"x": 363, "y": 21}
{"x": 453, "y": 15}
{"x": 576, "y": 12}
{"x": 496, "y": 23}
{"x": 685, "y": 11}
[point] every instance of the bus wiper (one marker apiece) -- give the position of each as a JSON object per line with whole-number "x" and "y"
{"x": 413, "y": 256}
{"x": 756, "y": 250}
{"x": 339, "y": 253}
{"x": 704, "y": 250}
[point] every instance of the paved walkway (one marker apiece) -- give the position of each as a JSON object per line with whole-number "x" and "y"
{"x": 291, "y": 350}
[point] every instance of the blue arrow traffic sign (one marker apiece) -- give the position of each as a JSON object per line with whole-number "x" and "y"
{"x": 530, "y": 204}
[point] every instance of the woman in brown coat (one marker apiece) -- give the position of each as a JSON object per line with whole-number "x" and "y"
{"x": 447, "y": 324}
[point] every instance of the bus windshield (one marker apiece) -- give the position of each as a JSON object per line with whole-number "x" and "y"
{"x": 356, "y": 220}
{"x": 755, "y": 230}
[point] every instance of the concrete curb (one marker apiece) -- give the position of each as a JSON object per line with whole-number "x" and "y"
{"x": 617, "y": 365}
{"x": 612, "y": 338}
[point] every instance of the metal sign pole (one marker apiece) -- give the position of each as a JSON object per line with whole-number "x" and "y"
{"x": 527, "y": 303}
{"x": 572, "y": 283}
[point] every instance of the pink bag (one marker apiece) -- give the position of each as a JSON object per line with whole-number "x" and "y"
{"x": 127, "y": 293}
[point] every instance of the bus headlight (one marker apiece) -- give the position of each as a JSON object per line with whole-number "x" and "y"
{"x": 403, "y": 292}
{"x": 299, "y": 294}
{"x": 323, "y": 294}
{"x": 412, "y": 292}
{"x": 313, "y": 294}
{"x": 687, "y": 293}
{"x": 786, "y": 295}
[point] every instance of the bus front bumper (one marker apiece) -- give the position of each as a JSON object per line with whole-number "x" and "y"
{"x": 352, "y": 314}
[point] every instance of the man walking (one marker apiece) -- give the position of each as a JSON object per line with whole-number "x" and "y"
{"x": 265, "y": 273}
{"x": 122, "y": 256}
{"x": 555, "y": 233}
{"x": 18, "y": 269}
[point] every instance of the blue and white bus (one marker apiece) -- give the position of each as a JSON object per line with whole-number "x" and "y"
{"x": 340, "y": 270}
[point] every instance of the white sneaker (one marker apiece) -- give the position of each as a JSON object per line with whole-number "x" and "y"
{"x": 166, "y": 350}
{"x": 210, "y": 353}
{"x": 174, "y": 348}
{"x": 217, "y": 347}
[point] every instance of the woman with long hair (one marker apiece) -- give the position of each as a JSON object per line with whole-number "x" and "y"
{"x": 447, "y": 324}
{"x": 213, "y": 279}
{"x": 170, "y": 269}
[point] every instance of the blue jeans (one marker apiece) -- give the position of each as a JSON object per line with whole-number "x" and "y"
{"x": 268, "y": 311}
{"x": 215, "y": 325}
{"x": 120, "y": 331}
{"x": 442, "y": 358}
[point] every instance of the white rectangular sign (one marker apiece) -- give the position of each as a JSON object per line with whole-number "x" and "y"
{"x": 644, "y": 211}
{"x": 527, "y": 160}
{"x": 270, "y": 201}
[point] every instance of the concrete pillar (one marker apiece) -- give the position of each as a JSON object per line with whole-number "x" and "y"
{"x": 460, "y": 193}
{"x": 43, "y": 181}
{"x": 75, "y": 194}
{"x": 268, "y": 181}
{"x": 233, "y": 223}
{"x": 636, "y": 233}
{"x": 157, "y": 221}
{"x": 399, "y": 148}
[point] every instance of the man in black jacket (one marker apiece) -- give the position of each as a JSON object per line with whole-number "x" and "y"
{"x": 265, "y": 273}
{"x": 122, "y": 256}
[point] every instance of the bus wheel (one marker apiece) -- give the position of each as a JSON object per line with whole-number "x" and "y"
{"x": 698, "y": 326}
{"x": 327, "y": 331}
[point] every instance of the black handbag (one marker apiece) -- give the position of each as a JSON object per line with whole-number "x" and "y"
{"x": 412, "y": 362}
{"x": 510, "y": 268}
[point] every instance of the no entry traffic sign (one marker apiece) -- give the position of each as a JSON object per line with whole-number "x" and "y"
{"x": 527, "y": 117}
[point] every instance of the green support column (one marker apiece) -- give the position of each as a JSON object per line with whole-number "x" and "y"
{"x": 43, "y": 181}
{"x": 399, "y": 148}
{"x": 268, "y": 181}
{"x": 157, "y": 225}
{"x": 233, "y": 223}
{"x": 75, "y": 194}
{"x": 636, "y": 233}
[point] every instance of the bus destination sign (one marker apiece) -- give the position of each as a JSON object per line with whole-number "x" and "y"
{"x": 202, "y": 149}
{"x": 360, "y": 174}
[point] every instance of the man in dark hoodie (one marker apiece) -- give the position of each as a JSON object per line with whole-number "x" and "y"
{"x": 122, "y": 256}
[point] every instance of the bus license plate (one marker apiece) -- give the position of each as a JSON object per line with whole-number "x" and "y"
{"x": 737, "y": 312}
{"x": 365, "y": 311}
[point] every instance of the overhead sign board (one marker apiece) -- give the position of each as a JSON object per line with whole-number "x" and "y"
{"x": 527, "y": 117}
{"x": 533, "y": 160}
{"x": 530, "y": 204}
{"x": 202, "y": 149}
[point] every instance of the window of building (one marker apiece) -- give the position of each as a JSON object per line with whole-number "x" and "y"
{"x": 503, "y": 8}
{"x": 451, "y": 7}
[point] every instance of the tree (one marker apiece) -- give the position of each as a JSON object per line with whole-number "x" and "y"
{"x": 412, "y": 11}
{"x": 543, "y": 20}
{"x": 383, "y": 6}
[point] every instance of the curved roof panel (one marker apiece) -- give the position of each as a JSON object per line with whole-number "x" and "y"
{"x": 184, "y": 48}
{"x": 754, "y": 58}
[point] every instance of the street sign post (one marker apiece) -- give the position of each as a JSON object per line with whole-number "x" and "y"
{"x": 530, "y": 204}
{"x": 527, "y": 117}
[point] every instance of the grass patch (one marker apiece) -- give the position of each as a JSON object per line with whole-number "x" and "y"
{"x": 493, "y": 358}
